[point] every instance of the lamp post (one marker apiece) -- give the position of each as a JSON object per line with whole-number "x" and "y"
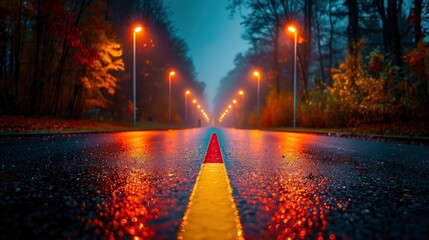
{"x": 136, "y": 30}
{"x": 196, "y": 115}
{"x": 258, "y": 75}
{"x": 186, "y": 106}
{"x": 241, "y": 119}
{"x": 294, "y": 31}
{"x": 194, "y": 111}
{"x": 170, "y": 75}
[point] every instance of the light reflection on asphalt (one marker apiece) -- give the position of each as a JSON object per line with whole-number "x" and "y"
{"x": 303, "y": 186}
{"x": 136, "y": 185}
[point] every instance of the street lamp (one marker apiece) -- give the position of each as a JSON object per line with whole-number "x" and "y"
{"x": 186, "y": 106}
{"x": 194, "y": 111}
{"x": 241, "y": 116}
{"x": 136, "y": 30}
{"x": 256, "y": 74}
{"x": 294, "y": 31}
{"x": 172, "y": 73}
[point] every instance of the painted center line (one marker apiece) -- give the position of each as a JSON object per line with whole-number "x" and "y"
{"x": 211, "y": 212}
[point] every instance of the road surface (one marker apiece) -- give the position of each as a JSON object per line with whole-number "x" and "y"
{"x": 137, "y": 185}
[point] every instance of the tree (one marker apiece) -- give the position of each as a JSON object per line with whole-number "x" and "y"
{"x": 56, "y": 48}
{"x": 390, "y": 27}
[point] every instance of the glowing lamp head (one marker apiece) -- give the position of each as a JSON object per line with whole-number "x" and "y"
{"x": 234, "y": 101}
{"x": 188, "y": 92}
{"x": 291, "y": 29}
{"x": 241, "y": 92}
{"x": 138, "y": 29}
{"x": 256, "y": 73}
{"x": 172, "y": 73}
{"x": 199, "y": 106}
{"x": 194, "y": 101}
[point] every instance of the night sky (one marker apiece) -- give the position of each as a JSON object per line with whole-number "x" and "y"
{"x": 212, "y": 37}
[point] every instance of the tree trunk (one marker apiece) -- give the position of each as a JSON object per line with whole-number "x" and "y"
{"x": 391, "y": 36}
{"x": 16, "y": 61}
{"x": 353, "y": 27}
{"x": 353, "y": 35}
{"x": 60, "y": 81}
{"x": 417, "y": 21}
{"x": 276, "y": 63}
{"x": 74, "y": 108}
{"x": 3, "y": 49}
{"x": 301, "y": 68}
{"x": 319, "y": 46}
{"x": 331, "y": 40}
{"x": 277, "y": 28}
{"x": 393, "y": 11}
{"x": 35, "y": 85}
{"x": 308, "y": 18}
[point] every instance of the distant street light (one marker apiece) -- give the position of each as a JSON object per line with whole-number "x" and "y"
{"x": 256, "y": 74}
{"x": 136, "y": 30}
{"x": 172, "y": 73}
{"x": 186, "y": 106}
{"x": 294, "y": 31}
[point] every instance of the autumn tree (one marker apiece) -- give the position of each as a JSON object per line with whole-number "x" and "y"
{"x": 53, "y": 53}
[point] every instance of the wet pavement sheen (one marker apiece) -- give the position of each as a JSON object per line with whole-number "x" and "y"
{"x": 136, "y": 185}
{"x": 303, "y": 186}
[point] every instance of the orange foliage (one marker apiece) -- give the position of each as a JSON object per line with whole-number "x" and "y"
{"x": 369, "y": 93}
{"x": 278, "y": 110}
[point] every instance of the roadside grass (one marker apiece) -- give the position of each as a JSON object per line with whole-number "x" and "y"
{"x": 399, "y": 128}
{"x": 20, "y": 124}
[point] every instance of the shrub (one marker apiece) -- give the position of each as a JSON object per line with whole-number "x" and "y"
{"x": 278, "y": 110}
{"x": 366, "y": 93}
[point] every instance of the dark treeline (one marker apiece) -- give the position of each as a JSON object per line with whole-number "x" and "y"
{"x": 64, "y": 58}
{"x": 357, "y": 62}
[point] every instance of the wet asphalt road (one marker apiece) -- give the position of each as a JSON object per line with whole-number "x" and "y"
{"x": 137, "y": 184}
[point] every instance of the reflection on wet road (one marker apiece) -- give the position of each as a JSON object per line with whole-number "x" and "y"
{"x": 122, "y": 185}
{"x": 302, "y": 186}
{"x": 136, "y": 185}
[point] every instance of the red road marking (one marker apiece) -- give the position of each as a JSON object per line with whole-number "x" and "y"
{"x": 213, "y": 154}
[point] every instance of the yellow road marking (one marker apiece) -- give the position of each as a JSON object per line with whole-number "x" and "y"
{"x": 211, "y": 212}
